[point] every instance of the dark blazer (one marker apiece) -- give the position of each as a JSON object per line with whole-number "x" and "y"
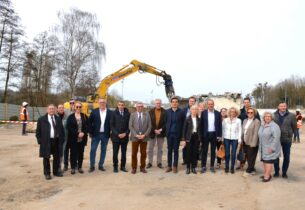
{"x": 243, "y": 115}
{"x": 162, "y": 123}
{"x": 180, "y": 121}
{"x": 185, "y": 109}
{"x": 204, "y": 123}
{"x": 94, "y": 123}
{"x": 72, "y": 128}
{"x": 188, "y": 128}
{"x": 43, "y": 135}
{"x": 119, "y": 124}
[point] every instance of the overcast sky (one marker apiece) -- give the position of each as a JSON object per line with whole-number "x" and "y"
{"x": 207, "y": 46}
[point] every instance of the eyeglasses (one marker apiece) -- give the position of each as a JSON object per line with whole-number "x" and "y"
{"x": 250, "y": 112}
{"x": 78, "y": 107}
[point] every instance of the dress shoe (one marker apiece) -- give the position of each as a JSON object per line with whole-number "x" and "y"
{"x": 266, "y": 180}
{"x": 227, "y": 170}
{"x": 101, "y": 168}
{"x": 169, "y": 169}
{"x": 115, "y": 170}
{"x": 133, "y": 171}
{"x": 175, "y": 170}
{"x": 48, "y": 177}
{"x": 149, "y": 165}
{"x": 91, "y": 169}
{"x": 276, "y": 175}
{"x": 203, "y": 170}
{"x": 160, "y": 165}
{"x": 212, "y": 169}
{"x": 124, "y": 169}
{"x": 285, "y": 176}
{"x": 72, "y": 171}
{"x": 188, "y": 171}
{"x": 232, "y": 171}
{"x": 194, "y": 171}
{"x": 143, "y": 170}
{"x": 81, "y": 171}
{"x": 59, "y": 174}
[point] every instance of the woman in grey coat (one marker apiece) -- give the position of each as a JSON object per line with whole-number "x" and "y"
{"x": 269, "y": 144}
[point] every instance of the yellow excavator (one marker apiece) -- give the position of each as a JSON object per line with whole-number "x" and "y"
{"x": 125, "y": 71}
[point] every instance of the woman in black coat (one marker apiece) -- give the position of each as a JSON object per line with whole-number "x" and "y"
{"x": 77, "y": 127}
{"x": 191, "y": 136}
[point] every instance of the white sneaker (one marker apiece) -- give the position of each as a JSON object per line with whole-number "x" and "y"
{"x": 253, "y": 173}
{"x": 245, "y": 174}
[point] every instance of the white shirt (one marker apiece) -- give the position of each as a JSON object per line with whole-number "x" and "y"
{"x": 249, "y": 121}
{"x": 194, "y": 119}
{"x": 211, "y": 121}
{"x": 140, "y": 114}
{"x": 231, "y": 129}
{"x": 103, "y": 118}
{"x": 52, "y": 133}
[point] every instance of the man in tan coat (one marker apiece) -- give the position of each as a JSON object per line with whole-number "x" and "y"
{"x": 139, "y": 126}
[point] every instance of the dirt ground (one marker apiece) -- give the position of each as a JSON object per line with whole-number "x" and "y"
{"x": 22, "y": 184}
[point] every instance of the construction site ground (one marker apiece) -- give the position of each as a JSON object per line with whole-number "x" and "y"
{"x": 23, "y": 186}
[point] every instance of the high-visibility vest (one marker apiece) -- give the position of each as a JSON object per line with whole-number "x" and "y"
{"x": 22, "y": 117}
{"x": 299, "y": 123}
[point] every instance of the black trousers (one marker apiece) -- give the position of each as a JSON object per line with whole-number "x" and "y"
{"x": 210, "y": 139}
{"x": 218, "y": 144}
{"x": 66, "y": 154}
{"x": 24, "y": 128}
{"x": 192, "y": 151}
{"x": 77, "y": 155}
{"x": 251, "y": 153}
{"x": 116, "y": 148}
{"x": 46, "y": 160}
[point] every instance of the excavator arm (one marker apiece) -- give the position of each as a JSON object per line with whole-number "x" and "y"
{"x": 125, "y": 71}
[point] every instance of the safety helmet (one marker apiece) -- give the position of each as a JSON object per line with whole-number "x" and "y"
{"x": 25, "y": 103}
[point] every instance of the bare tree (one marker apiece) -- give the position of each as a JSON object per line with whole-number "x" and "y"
{"x": 6, "y": 19}
{"x": 11, "y": 54}
{"x": 78, "y": 38}
{"x": 39, "y": 68}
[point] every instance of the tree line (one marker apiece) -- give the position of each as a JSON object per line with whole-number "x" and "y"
{"x": 58, "y": 64}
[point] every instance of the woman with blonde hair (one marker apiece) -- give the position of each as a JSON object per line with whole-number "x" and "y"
{"x": 250, "y": 129}
{"x": 269, "y": 144}
{"x": 231, "y": 131}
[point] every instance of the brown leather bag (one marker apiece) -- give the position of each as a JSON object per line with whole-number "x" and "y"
{"x": 221, "y": 151}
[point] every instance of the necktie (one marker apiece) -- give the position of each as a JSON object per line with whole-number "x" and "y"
{"x": 53, "y": 124}
{"x": 140, "y": 123}
{"x": 122, "y": 114}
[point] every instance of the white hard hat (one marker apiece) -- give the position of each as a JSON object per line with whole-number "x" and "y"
{"x": 298, "y": 110}
{"x": 24, "y": 103}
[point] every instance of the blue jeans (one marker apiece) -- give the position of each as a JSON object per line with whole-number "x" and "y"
{"x": 286, "y": 152}
{"x": 230, "y": 153}
{"x": 172, "y": 145}
{"x": 94, "y": 144}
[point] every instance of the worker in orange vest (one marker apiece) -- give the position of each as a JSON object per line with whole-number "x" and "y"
{"x": 299, "y": 125}
{"x": 24, "y": 117}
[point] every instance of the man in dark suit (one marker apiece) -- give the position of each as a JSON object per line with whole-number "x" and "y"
{"x": 211, "y": 133}
{"x": 50, "y": 136}
{"x": 119, "y": 135}
{"x": 174, "y": 125}
{"x": 186, "y": 110}
{"x": 243, "y": 112}
{"x": 99, "y": 129}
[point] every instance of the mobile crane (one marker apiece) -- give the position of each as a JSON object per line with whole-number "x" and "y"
{"x": 125, "y": 71}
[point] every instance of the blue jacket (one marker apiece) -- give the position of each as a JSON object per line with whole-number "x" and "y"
{"x": 204, "y": 124}
{"x": 179, "y": 123}
{"x": 95, "y": 123}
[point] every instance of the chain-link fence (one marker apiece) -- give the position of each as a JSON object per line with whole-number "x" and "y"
{"x": 9, "y": 110}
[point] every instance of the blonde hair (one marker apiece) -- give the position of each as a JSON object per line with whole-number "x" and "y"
{"x": 195, "y": 106}
{"x": 230, "y": 110}
{"x": 253, "y": 109}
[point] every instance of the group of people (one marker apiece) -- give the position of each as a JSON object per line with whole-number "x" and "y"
{"x": 195, "y": 128}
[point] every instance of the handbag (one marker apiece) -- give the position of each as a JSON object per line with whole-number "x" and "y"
{"x": 221, "y": 151}
{"x": 241, "y": 154}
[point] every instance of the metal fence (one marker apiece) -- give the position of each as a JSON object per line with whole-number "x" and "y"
{"x": 9, "y": 110}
